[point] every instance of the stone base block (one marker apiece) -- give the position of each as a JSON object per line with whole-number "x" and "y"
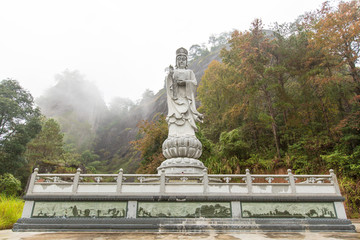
{"x": 182, "y": 165}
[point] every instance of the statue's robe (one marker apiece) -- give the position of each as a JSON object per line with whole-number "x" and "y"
{"x": 182, "y": 112}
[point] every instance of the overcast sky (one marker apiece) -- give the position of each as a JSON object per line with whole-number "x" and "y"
{"x": 121, "y": 46}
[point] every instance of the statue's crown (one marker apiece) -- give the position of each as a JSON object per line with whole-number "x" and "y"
{"x": 181, "y": 51}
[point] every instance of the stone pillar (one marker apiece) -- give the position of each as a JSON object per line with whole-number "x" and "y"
{"x": 248, "y": 181}
{"x": 131, "y": 211}
{"x": 335, "y": 182}
{"x": 236, "y": 209}
{"x": 119, "y": 181}
{"x": 340, "y": 210}
{"x": 27, "y": 210}
{"x": 162, "y": 181}
{"x": 76, "y": 180}
{"x": 292, "y": 181}
{"x": 32, "y": 181}
{"x": 205, "y": 181}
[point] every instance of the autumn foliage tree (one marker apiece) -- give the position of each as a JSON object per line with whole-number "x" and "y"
{"x": 336, "y": 32}
{"x": 252, "y": 56}
{"x": 151, "y": 135}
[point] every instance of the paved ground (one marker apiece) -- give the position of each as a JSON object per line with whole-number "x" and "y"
{"x": 9, "y": 235}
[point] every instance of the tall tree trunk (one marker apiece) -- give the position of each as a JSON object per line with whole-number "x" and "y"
{"x": 273, "y": 123}
{"x": 276, "y": 138}
{"x": 326, "y": 118}
{"x": 355, "y": 75}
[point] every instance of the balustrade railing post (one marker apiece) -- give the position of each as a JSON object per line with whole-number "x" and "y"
{"x": 248, "y": 181}
{"x": 335, "y": 181}
{"x": 76, "y": 181}
{"x": 292, "y": 181}
{"x": 205, "y": 181}
{"x": 162, "y": 181}
{"x": 119, "y": 181}
{"x": 32, "y": 181}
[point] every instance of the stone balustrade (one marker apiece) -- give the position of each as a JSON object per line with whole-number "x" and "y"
{"x": 164, "y": 183}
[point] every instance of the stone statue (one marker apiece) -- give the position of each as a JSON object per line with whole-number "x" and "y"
{"x": 181, "y": 89}
{"x": 182, "y": 148}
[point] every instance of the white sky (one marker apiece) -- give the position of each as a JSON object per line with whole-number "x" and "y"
{"x": 121, "y": 45}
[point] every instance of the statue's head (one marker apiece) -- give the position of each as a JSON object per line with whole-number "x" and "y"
{"x": 181, "y": 58}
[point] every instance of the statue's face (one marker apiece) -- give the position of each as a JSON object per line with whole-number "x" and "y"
{"x": 181, "y": 61}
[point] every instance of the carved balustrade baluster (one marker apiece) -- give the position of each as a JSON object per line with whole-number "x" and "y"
{"x": 269, "y": 179}
{"x": 227, "y": 179}
{"x": 98, "y": 179}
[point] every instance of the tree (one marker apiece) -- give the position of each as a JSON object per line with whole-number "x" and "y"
{"x": 336, "y": 32}
{"x": 197, "y": 51}
{"x": 146, "y": 96}
{"x": 120, "y": 107}
{"x": 218, "y": 40}
{"x": 151, "y": 136}
{"x": 251, "y": 54}
{"x": 48, "y": 152}
{"x": 45, "y": 151}
{"x": 19, "y": 123}
{"x": 219, "y": 99}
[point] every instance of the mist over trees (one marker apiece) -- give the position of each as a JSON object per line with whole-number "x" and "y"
{"x": 77, "y": 105}
{"x": 93, "y": 130}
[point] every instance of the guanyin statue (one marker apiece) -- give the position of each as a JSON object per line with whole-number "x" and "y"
{"x": 182, "y": 148}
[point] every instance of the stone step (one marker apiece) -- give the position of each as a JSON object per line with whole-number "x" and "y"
{"x": 183, "y": 225}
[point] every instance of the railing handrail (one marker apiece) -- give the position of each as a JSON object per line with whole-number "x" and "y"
{"x": 204, "y": 179}
{"x": 96, "y": 175}
{"x": 183, "y": 175}
{"x": 55, "y": 174}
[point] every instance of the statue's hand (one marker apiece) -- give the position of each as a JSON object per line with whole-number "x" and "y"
{"x": 181, "y": 82}
{"x": 171, "y": 71}
{"x": 199, "y": 118}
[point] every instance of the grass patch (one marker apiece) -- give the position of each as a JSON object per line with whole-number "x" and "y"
{"x": 10, "y": 211}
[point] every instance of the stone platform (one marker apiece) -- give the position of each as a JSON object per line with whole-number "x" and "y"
{"x": 184, "y": 225}
{"x": 183, "y": 203}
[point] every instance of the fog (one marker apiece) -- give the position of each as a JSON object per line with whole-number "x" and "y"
{"x": 122, "y": 47}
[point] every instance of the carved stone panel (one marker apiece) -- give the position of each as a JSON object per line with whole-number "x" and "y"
{"x": 184, "y": 209}
{"x": 288, "y": 210}
{"x": 79, "y": 209}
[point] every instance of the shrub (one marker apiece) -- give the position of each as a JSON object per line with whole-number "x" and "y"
{"x": 9, "y": 185}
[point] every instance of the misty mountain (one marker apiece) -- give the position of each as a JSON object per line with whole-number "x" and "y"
{"x": 88, "y": 124}
{"x": 78, "y": 106}
{"x": 113, "y": 138}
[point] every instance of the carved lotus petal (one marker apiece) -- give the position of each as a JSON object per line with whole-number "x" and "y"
{"x": 183, "y": 146}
